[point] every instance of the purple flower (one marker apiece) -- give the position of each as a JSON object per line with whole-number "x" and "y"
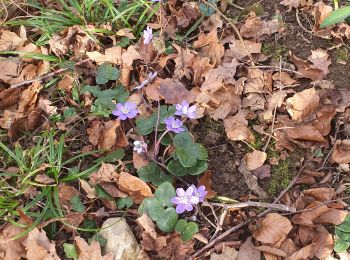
{"x": 184, "y": 200}
{"x": 128, "y": 110}
{"x": 147, "y": 35}
{"x": 199, "y": 192}
{"x": 173, "y": 124}
{"x": 151, "y": 76}
{"x": 185, "y": 109}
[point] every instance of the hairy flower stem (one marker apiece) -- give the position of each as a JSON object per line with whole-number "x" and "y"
{"x": 156, "y": 148}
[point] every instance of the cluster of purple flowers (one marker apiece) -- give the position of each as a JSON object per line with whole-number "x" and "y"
{"x": 185, "y": 200}
{"x": 184, "y": 109}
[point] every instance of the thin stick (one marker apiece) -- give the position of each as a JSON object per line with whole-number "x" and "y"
{"x": 275, "y": 68}
{"x": 255, "y": 204}
{"x": 300, "y": 24}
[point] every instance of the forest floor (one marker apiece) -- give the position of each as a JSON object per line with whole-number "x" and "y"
{"x": 87, "y": 91}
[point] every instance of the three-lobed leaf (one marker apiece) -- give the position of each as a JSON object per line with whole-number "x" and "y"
{"x": 176, "y": 168}
{"x": 186, "y": 229}
{"x": 167, "y": 220}
{"x": 152, "y": 173}
{"x": 70, "y": 251}
{"x": 164, "y": 193}
{"x": 106, "y": 72}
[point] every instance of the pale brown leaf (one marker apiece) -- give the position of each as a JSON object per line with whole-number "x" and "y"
{"x": 255, "y": 159}
{"x": 136, "y": 188}
{"x": 90, "y": 252}
{"x": 272, "y": 228}
{"x": 320, "y": 194}
{"x": 247, "y": 251}
{"x": 341, "y": 152}
{"x": 303, "y": 104}
{"x": 228, "y": 253}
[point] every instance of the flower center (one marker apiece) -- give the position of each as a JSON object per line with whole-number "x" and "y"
{"x": 184, "y": 200}
{"x": 125, "y": 110}
{"x": 174, "y": 124}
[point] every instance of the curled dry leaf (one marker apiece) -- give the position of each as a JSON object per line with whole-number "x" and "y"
{"x": 307, "y": 252}
{"x": 272, "y": 250}
{"x": 106, "y": 173}
{"x": 90, "y": 191}
{"x": 9, "y": 97}
{"x": 11, "y": 249}
{"x": 272, "y": 228}
{"x": 303, "y": 104}
{"x": 313, "y": 211}
{"x": 239, "y": 52}
{"x": 332, "y": 216}
{"x": 28, "y": 122}
{"x": 320, "y": 60}
{"x": 341, "y": 152}
{"x": 9, "y": 70}
{"x": 112, "y": 136}
{"x": 66, "y": 83}
{"x": 46, "y": 106}
{"x": 320, "y": 194}
{"x": 324, "y": 242}
{"x": 255, "y": 159}
{"x": 305, "y": 69}
{"x": 174, "y": 92}
{"x": 44, "y": 179}
{"x": 9, "y": 41}
{"x": 38, "y": 246}
{"x": 136, "y": 188}
{"x": 236, "y": 128}
{"x": 247, "y": 251}
{"x": 187, "y": 14}
{"x": 251, "y": 180}
{"x": 228, "y": 253}
{"x": 91, "y": 252}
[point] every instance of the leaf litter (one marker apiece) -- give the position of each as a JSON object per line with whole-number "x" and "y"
{"x": 270, "y": 105}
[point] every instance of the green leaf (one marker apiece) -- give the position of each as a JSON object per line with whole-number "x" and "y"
{"x": 187, "y": 151}
{"x": 100, "y": 239}
{"x": 167, "y": 220}
{"x": 190, "y": 230}
{"x": 164, "y": 193}
{"x": 124, "y": 202}
{"x": 152, "y": 173}
{"x": 180, "y": 226}
{"x": 76, "y": 204}
{"x": 176, "y": 168}
{"x": 341, "y": 245}
{"x": 70, "y": 251}
{"x": 345, "y": 226}
{"x": 336, "y": 16}
{"x": 153, "y": 207}
{"x": 146, "y": 125}
{"x": 207, "y": 10}
{"x": 104, "y": 98}
{"x": 342, "y": 235}
{"x": 106, "y": 72}
{"x": 123, "y": 42}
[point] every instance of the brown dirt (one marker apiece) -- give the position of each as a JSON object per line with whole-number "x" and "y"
{"x": 225, "y": 155}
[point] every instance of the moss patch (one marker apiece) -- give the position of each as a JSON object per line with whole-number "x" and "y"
{"x": 275, "y": 51}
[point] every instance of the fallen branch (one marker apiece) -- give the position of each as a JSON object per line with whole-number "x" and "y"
{"x": 255, "y": 204}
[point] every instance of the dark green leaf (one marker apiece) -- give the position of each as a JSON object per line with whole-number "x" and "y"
{"x": 336, "y": 16}
{"x": 164, "y": 193}
{"x": 100, "y": 239}
{"x": 190, "y": 230}
{"x": 206, "y": 9}
{"x": 180, "y": 226}
{"x": 101, "y": 193}
{"x": 152, "y": 173}
{"x": 176, "y": 168}
{"x": 345, "y": 226}
{"x": 70, "y": 251}
{"x": 124, "y": 202}
{"x": 153, "y": 207}
{"x": 342, "y": 235}
{"x": 167, "y": 220}
{"x": 106, "y": 72}
{"x": 146, "y": 125}
{"x": 76, "y": 204}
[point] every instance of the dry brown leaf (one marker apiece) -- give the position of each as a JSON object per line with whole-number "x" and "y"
{"x": 66, "y": 193}
{"x": 303, "y": 104}
{"x": 291, "y": 3}
{"x": 210, "y": 46}
{"x": 247, "y": 251}
{"x": 206, "y": 180}
{"x": 147, "y": 224}
{"x": 44, "y": 179}
{"x": 284, "y": 78}
{"x": 272, "y": 228}
{"x": 130, "y": 55}
{"x": 112, "y": 136}
{"x": 213, "y": 22}
{"x": 106, "y": 173}
{"x": 258, "y": 81}
{"x": 11, "y": 249}
{"x": 324, "y": 242}
{"x": 112, "y": 55}
{"x": 332, "y": 216}
{"x": 341, "y": 152}
{"x": 256, "y": 28}
{"x": 46, "y": 106}
{"x": 174, "y": 92}
{"x": 228, "y": 253}
{"x": 305, "y": 69}
{"x": 320, "y": 60}
{"x": 313, "y": 211}
{"x": 90, "y": 252}
{"x": 112, "y": 190}
{"x": 9, "y": 97}
{"x": 238, "y": 51}
{"x": 28, "y": 98}
{"x": 25, "y": 123}
{"x": 251, "y": 180}
{"x": 306, "y": 252}
{"x": 136, "y": 188}
{"x": 139, "y": 161}
{"x": 272, "y": 250}
{"x": 9, "y": 41}
{"x": 255, "y": 159}
{"x": 306, "y": 133}
{"x": 320, "y": 194}
{"x": 90, "y": 191}
{"x": 201, "y": 66}
{"x": 9, "y": 71}
{"x": 39, "y": 247}
{"x": 288, "y": 246}
{"x": 183, "y": 62}
{"x": 66, "y": 83}
{"x": 236, "y": 128}
{"x": 94, "y": 131}
{"x": 188, "y": 13}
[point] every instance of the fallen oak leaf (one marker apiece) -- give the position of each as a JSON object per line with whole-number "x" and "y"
{"x": 91, "y": 252}
{"x": 320, "y": 60}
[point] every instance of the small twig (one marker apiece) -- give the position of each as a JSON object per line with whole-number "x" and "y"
{"x": 220, "y": 223}
{"x": 300, "y": 24}
{"x": 156, "y": 130}
{"x": 255, "y": 204}
{"x": 274, "y": 68}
